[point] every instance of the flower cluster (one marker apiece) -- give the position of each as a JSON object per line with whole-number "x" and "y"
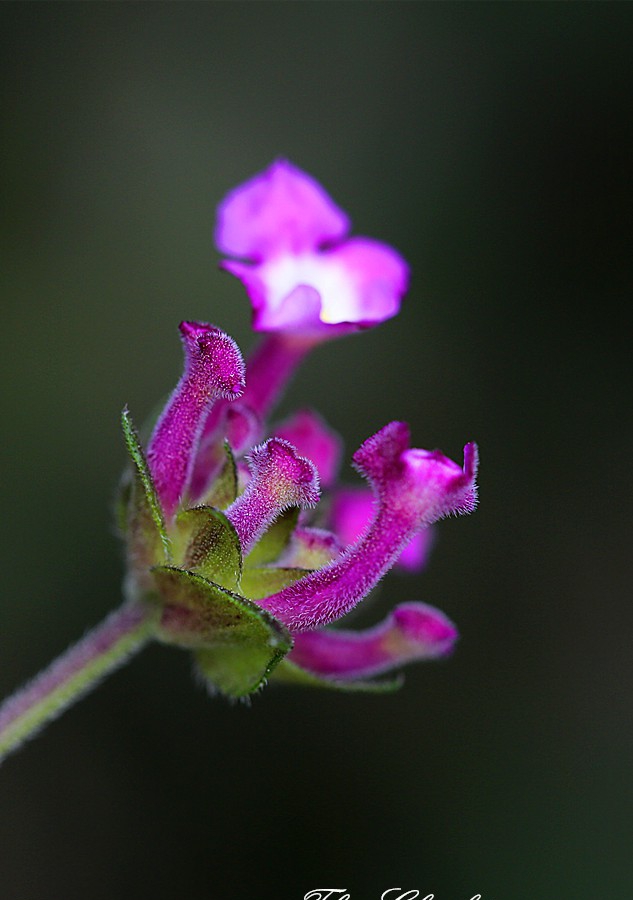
{"x": 222, "y": 540}
{"x": 225, "y": 554}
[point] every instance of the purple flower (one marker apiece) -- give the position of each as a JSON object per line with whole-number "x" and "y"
{"x": 230, "y": 553}
{"x": 302, "y": 272}
{"x": 241, "y": 568}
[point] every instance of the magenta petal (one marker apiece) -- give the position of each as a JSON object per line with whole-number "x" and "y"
{"x": 312, "y": 438}
{"x": 296, "y": 312}
{"x": 355, "y": 285}
{"x": 351, "y": 514}
{"x": 280, "y": 302}
{"x": 380, "y": 278}
{"x": 281, "y": 208}
{"x": 213, "y": 369}
{"x": 413, "y": 631}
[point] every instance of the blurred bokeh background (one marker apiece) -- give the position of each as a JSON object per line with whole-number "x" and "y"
{"x": 493, "y": 145}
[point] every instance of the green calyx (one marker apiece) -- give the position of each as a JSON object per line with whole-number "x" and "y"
{"x": 192, "y": 569}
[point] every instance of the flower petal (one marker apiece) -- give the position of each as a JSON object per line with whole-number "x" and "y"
{"x": 377, "y": 277}
{"x": 281, "y": 208}
{"x": 300, "y": 273}
{"x": 357, "y": 284}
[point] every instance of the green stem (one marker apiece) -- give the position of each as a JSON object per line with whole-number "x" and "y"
{"x": 74, "y": 673}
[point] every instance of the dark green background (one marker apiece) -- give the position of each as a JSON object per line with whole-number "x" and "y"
{"x": 492, "y": 144}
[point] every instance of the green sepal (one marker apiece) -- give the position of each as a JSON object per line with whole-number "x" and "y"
{"x": 148, "y": 541}
{"x": 223, "y": 491}
{"x": 271, "y": 544}
{"x": 288, "y": 672}
{"x": 207, "y": 543}
{"x": 237, "y": 644}
{"x": 262, "y": 581}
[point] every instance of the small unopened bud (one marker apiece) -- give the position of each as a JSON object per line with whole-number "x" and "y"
{"x": 280, "y": 478}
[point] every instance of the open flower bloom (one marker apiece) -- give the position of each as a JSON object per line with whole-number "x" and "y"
{"x": 303, "y": 274}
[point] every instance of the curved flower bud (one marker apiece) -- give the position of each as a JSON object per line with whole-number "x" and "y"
{"x": 413, "y": 631}
{"x": 307, "y": 431}
{"x": 351, "y": 513}
{"x": 280, "y": 221}
{"x": 279, "y": 478}
{"x": 213, "y": 368}
{"x": 413, "y": 488}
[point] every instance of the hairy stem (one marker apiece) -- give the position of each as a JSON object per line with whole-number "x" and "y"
{"x": 74, "y": 673}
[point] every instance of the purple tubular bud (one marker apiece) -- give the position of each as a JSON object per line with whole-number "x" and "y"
{"x": 413, "y": 488}
{"x": 214, "y": 368}
{"x": 413, "y": 631}
{"x": 279, "y": 478}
